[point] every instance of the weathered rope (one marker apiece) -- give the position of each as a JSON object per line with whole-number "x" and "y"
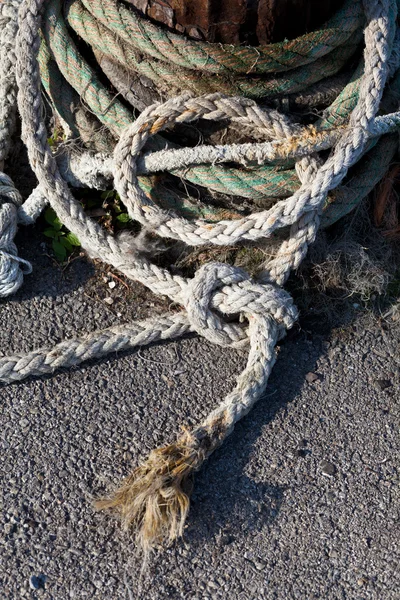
{"x": 168, "y": 78}
{"x": 220, "y": 58}
{"x": 12, "y": 267}
{"x": 154, "y": 498}
{"x": 260, "y": 183}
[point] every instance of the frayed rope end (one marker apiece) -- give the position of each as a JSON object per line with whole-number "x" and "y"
{"x": 154, "y": 499}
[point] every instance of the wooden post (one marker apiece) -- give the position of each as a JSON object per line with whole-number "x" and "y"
{"x": 250, "y": 22}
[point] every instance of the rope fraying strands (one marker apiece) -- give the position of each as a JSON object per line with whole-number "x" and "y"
{"x": 282, "y": 166}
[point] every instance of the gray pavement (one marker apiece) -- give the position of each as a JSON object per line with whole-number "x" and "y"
{"x": 301, "y": 502}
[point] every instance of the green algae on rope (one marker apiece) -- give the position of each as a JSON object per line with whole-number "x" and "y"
{"x": 173, "y": 80}
{"x": 263, "y": 182}
{"x": 160, "y": 43}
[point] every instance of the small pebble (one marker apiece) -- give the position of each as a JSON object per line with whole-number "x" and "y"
{"x": 311, "y": 377}
{"x": 35, "y": 583}
{"x": 112, "y": 285}
{"x": 301, "y": 452}
{"x": 109, "y": 300}
{"x": 382, "y": 384}
{"x": 8, "y": 527}
{"x": 259, "y": 564}
{"x": 327, "y": 468}
{"x": 225, "y": 540}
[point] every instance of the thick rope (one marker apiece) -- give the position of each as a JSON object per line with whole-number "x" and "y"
{"x": 220, "y": 58}
{"x": 172, "y": 80}
{"x": 259, "y": 183}
{"x": 12, "y": 267}
{"x": 154, "y": 498}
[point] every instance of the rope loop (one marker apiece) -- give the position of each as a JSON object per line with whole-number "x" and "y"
{"x": 185, "y": 109}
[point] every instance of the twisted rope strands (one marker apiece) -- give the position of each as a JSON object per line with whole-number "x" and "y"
{"x": 98, "y": 242}
{"x": 90, "y": 170}
{"x": 263, "y": 182}
{"x": 86, "y": 170}
{"x": 154, "y": 498}
{"x": 77, "y": 122}
{"x": 173, "y": 80}
{"x": 12, "y": 267}
{"x": 256, "y": 226}
{"x": 125, "y": 82}
{"x": 220, "y": 58}
{"x": 75, "y": 69}
{"x": 53, "y": 82}
{"x": 92, "y": 236}
{"x": 8, "y": 30}
{"x": 100, "y": 101}
{"x": 100, "y": 343}
{"x": 365, "y": 176}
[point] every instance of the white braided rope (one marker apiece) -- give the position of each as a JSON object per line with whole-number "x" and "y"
{"x": 95, "y": 170}
{"x": 8, "y": 89}
{"x": 216, "y": 289}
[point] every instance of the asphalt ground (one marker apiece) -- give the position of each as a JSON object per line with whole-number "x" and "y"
{"x": 301, "y": 502}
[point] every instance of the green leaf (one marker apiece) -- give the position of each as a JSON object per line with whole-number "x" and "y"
{"x": 59, "y": 250}
{"x": 50, "y": 215}
{"x": 52, "y": 219}
{"x": 73, "y": 240}
{"x": 51, "y": 233}
{"x": 123, "y": 218}
{"x": 67, "y": 245}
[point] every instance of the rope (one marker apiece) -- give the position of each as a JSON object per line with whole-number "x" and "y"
{"x": 166, "y": 75}
{"x": 12, "y": 267}
{"x": 154, "y": 498}
{"x": 262, "y": 183}
{"x": 220, "y": 58}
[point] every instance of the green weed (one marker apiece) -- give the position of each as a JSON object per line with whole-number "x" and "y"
{"x": 63, "y": 241}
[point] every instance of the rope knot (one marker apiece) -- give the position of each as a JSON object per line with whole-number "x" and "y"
{"x": 219, "y": 289}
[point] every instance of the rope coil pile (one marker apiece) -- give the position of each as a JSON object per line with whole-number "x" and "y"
{"x": 154, "y": 498}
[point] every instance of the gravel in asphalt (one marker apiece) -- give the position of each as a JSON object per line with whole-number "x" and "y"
{"x": 301, "y": 502}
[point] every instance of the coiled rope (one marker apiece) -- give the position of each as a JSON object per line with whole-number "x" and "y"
{"x": 154, "y": 498}
{"x": 62, "y": 65}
